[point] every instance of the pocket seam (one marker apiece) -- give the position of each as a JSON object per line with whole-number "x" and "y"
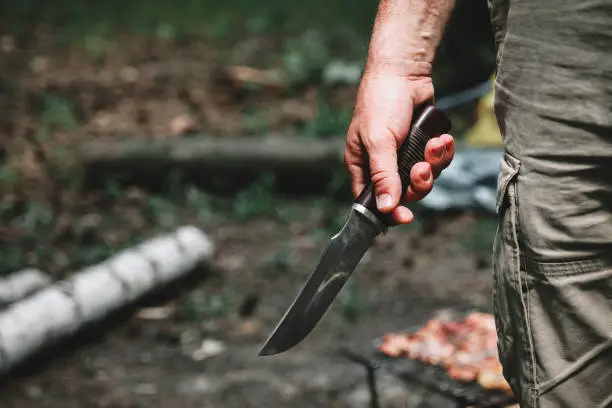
{"x": 507, "y": 201}
{"x": 571, "y": 267}
{"x": 524, "y": 290}
{"x": 509, "y": 169}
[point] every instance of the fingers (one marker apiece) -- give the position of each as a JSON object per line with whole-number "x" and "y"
{"x": 402, "y": 215}
{"x": 449, "y": 154}
{"x": 382, "y": 154}
{"x": 355, "y": 160}
{"x": 439, "y": 153}
{"x": 383, "y": 173}
{"x": 421, "y": 182}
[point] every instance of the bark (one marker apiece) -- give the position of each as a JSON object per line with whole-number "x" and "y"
{"x": 20, "y": 284}
{"x": 293, "y": 160}
{"x": 90, "y": 294}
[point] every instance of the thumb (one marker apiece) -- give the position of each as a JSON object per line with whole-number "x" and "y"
{"x": 384, "y": 174}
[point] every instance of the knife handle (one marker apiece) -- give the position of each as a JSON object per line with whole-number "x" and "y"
{"x": 428, "y": 122}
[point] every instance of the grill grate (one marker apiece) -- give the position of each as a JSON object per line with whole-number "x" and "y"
{"x": 436, "y": 380}
{"x": 432, "y": 377}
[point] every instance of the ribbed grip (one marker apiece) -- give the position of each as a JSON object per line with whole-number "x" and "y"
{"x": 428, "y": 122}
{"x": 411, "y": 152}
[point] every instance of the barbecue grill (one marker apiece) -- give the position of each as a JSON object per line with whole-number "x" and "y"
{"x": 433, "y": 378}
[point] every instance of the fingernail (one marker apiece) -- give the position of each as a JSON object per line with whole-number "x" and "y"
{"x": 424, "y": 175}
{"x": 384, "y": 200}
{"x": 438, "y": 152}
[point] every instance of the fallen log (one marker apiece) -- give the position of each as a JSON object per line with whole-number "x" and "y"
{"x": 90, "y": 294}
{"x": 299, "y": 164}
{"x": 20, "y": 284}
{"x": 221, "y": 163}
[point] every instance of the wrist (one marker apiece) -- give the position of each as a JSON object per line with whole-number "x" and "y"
{"x": 381, "y": 79}
{"x": 406, "y": 67}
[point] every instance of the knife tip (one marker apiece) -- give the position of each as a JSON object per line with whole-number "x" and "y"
{"x": 271, "y": 350}
{"x": 265, "y": 351}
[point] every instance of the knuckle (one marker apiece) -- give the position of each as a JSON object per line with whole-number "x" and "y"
{"x": 352, "y": 152}
{"x": 379, "y": 177}
{"x": 347, "y": 157}
{"x": 422, "y": 187}
{"x": 412, "y": 195}
{"x": 379, "y": 137}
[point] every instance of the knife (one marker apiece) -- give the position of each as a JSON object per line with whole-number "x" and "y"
{"x": 346, "y": 248}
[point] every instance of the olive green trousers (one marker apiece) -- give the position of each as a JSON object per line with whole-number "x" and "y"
{"x": 553, "y": 248}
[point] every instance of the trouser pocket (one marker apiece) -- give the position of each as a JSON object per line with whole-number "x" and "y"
{"x": 554, "y": 319}
{"x": 570, "y": 314}
{"x": 510, "y": 308}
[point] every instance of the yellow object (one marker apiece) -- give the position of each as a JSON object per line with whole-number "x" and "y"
{"x": 485, "y": 132}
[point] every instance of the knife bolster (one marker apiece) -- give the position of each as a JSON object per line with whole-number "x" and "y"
{"x": 370, "y": 216}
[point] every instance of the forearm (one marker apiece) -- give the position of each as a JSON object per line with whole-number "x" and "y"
{"x": 406, "y": 35}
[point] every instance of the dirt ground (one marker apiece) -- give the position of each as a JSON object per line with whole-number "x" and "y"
{"x": 199, "y": 349}
{"x": 404, "y": 279}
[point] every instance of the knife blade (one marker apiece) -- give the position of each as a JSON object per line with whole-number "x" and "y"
{"x": 346, "y": 248}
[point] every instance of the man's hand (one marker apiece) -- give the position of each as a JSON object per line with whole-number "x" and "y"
{"x": 381, "y": 122}
{"x": 397, "y": 79}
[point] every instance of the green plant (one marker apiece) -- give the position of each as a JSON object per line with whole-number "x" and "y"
{"x": 258, "y": 199}
{"x": 112, "y": 189}
{"x": 329, "y": 121}
{"x": 339, "y": 183}
{"x": 90, "y": 254}
{"x": 280, "y": 261}
{"x": 304, "y": 55}
{"x": 95, "y": 45}
{"x": 61, "y": 168}
{"x": 174, "y": 188}
{"x": 57, "y": 112}
{"x": 37, "y": 215}
{"x": 256, "y": 122}
{"x": 5, "y": 209}
{"x": 163, "y": 212}
{"x": 289, "y": 211}
{"x": 198, "y": 306}
{"x": 12, "y": 260}
{"x": 7, "y": 175}
{"x": 200, "y": 203}
{"x": 166, "y": 31}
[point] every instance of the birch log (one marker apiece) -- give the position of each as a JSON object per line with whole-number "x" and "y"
{"x": 20, "y": 284}
{"x": 90, "y": 294}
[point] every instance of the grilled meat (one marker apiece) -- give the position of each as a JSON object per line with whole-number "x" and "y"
{"x": 467, "y": 349}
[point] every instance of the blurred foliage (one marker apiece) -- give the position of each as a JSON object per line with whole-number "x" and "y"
{"x": 173, "y": 19}
{"x": 330, "y": 121}
{"x": 352, "y": 303}
{"x": 199, "y": 306}
{"x": 310, "y": 34}
{"x": 256, "y": 200}
{"x": 479, "y": 239}
{"x": 465, "y": 55}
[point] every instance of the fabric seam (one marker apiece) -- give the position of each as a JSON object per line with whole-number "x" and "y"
{"x": 524, "y": 296}
{"x": 567, "y": 268}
